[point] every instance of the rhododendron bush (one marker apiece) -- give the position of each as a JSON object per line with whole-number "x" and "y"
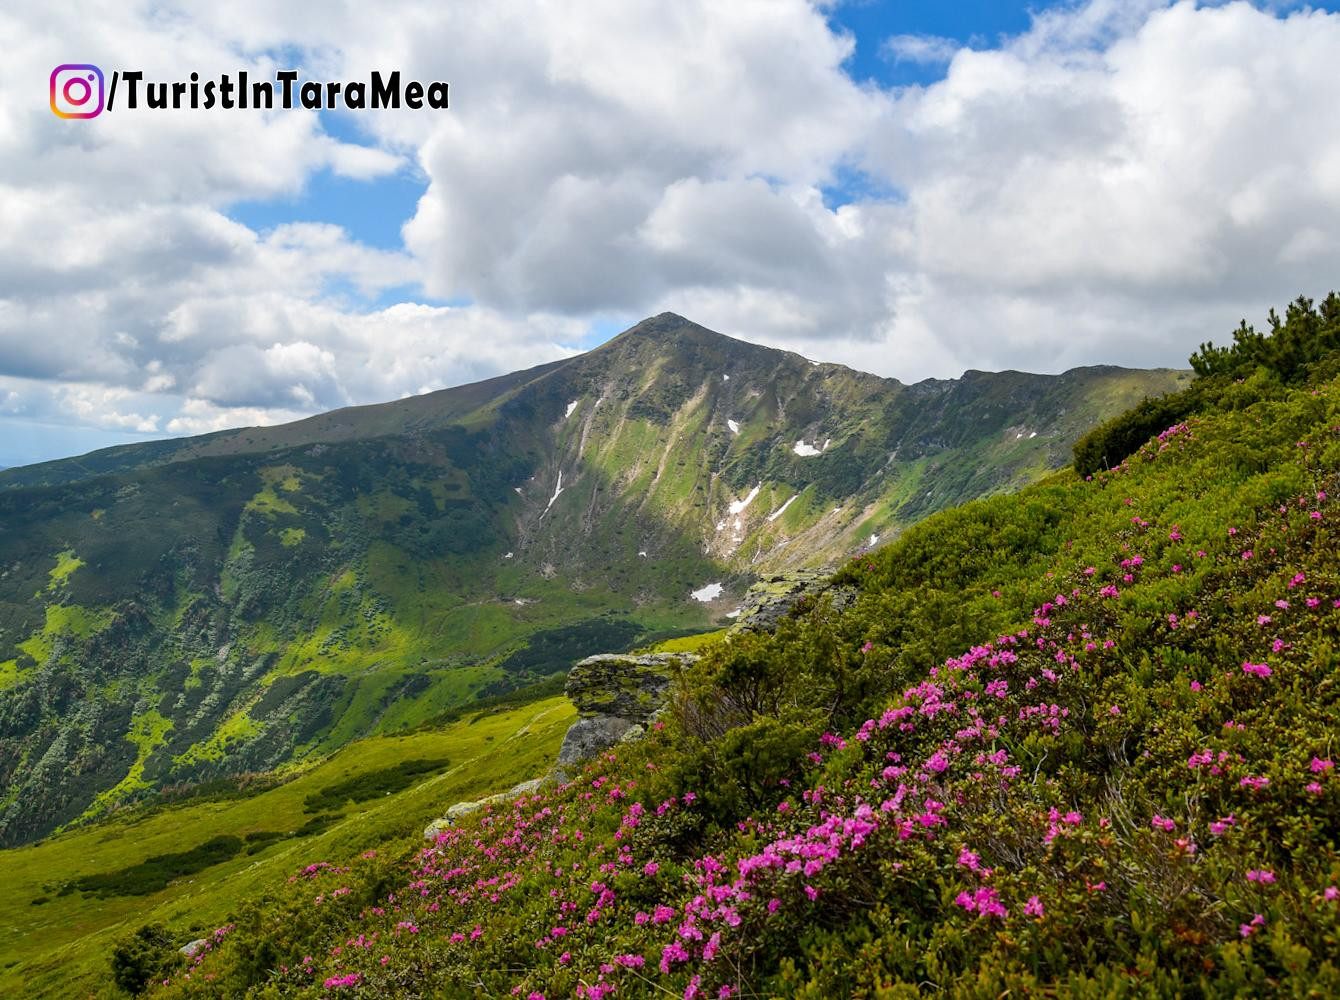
{"x": 1082, "y": 739}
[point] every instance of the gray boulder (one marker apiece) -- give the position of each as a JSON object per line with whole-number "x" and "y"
{"x": 436, "y": 827}
{"x": 527, "y": 787}
{"x": 617, "y": 696}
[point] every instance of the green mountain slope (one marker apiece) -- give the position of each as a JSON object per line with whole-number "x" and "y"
{"x": 1077, "y": 741}
{"x": 176, "y": 612}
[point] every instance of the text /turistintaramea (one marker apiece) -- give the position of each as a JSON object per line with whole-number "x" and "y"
{"x": 379, "y": 91}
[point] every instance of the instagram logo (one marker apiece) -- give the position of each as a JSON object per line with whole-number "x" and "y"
{"x": 76, "y": 90}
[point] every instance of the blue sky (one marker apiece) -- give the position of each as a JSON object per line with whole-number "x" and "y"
{"x": 372, "y": 211}
{"x": 971, "y": 22}
{"x": 976, "y": 185}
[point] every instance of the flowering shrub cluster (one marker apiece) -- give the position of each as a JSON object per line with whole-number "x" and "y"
{"x": 1081, "y": 740}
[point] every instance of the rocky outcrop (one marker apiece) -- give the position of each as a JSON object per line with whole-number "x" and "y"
{"x": 616, "y": 696}
{"x": 587, "y": 737}
{"x": 774, "y": 597}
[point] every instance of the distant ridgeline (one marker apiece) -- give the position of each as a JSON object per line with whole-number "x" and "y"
{"x": 186, "y": 610}
{"x": 1074, "y": 741}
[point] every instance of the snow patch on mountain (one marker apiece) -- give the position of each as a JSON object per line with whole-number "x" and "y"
{"x": 709, "y": 593}
{"x": 739, "y": 505}
{"x": 557, "y": 490}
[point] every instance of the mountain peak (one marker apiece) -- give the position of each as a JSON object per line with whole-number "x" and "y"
{"x": 667, "y": 317}
{"x": 663, "y": 324}
{"x": 670, "y": 334}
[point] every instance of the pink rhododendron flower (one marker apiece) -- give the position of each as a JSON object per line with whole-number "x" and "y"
{"x": 985, "y": 901}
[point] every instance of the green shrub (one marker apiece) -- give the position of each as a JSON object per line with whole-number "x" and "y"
{"x": 147, "y": 955}
{"x": 1301, "y": 348}
{"x": 1112, "y": 442}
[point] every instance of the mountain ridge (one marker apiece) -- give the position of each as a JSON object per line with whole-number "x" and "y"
{"x": 198, "y": 445}
{"x": 251, "y": 598}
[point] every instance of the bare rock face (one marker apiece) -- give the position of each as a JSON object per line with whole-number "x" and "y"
{"x": 774, "y": 597}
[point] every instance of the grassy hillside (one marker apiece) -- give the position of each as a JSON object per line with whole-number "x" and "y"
{"x": 70, "y": 897}
{"x": 177, "y": 612}
{"x": 1077, "y": 741}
